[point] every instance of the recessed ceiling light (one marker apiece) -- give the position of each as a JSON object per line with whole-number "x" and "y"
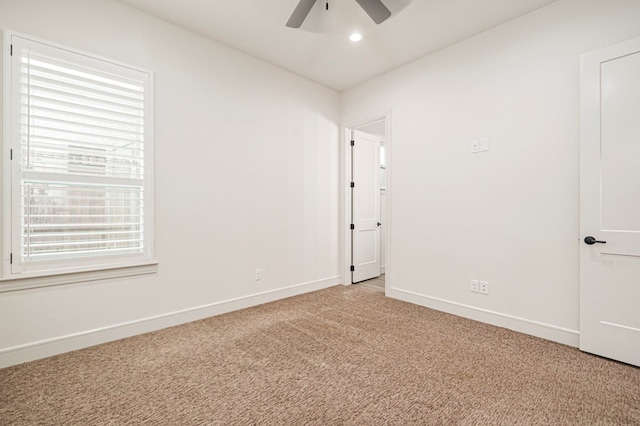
{"x": 355, "y": 37}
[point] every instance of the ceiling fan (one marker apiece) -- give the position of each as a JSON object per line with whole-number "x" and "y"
{"x": 374, "y": 8}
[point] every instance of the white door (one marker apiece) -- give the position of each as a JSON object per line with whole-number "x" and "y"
{"x": 365, "y": 207}
{"x": 610, "y": 203}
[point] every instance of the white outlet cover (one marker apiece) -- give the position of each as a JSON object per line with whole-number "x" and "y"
{"x": 475, "y": 286}
{"x": 484, "y": 287}
{"x": 475, "y": 147}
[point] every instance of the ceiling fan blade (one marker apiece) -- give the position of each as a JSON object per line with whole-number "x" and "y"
{"x": 300, "y": 13}
{"x": 375, "y": 9}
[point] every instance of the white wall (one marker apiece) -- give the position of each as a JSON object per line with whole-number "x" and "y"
{"x": 508, "y": 216}
{"x": 247, "y": 160}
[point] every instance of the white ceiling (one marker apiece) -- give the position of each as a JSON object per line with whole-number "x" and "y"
{"x": 257, "y": 27}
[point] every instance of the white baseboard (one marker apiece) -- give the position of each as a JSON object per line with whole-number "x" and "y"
{"x": 534, "y": 328}
{"x": 58, "y": 345}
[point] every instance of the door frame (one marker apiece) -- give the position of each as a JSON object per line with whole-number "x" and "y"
{"x": 345, "y": 141}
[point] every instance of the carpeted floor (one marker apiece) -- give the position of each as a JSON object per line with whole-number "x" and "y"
{"x": 344, "y": 355}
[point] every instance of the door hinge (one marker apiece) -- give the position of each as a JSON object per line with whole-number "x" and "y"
{"x": 353, "y": 184}
{"x": 11, "y": 154}
{"x": 353, "y": 143}
{"x": 353, "y": 268}
{"x": 11, "y": 259}
{"x": 353, "y": 227}
{"x": 11, "y": 50}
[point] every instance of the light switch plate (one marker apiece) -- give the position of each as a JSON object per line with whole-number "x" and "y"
{"x": 484, "y": 145}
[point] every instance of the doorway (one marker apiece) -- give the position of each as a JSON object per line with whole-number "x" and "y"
{"x": 366, "y": 198}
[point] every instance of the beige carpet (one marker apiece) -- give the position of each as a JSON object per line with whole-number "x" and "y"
{"x": 345, "y": 355}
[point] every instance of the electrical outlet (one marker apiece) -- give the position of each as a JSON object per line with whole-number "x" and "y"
{"x": 475, "y": 146}
{"x": 475, "y": 286}
{"x": 258, "y": 274}
{"x": 484, "y": 287}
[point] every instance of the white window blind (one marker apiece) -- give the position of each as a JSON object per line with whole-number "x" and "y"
{"x": 81, "y": 177}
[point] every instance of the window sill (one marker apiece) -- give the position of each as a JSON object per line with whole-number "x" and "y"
{"x": 24, "y": 283}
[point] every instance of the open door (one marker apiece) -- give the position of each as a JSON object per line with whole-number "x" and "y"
{"x": 365, "y": 206}
{"x": 610, "y": 203}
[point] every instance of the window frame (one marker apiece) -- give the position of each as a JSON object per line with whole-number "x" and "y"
{"x": 67, "y": 270}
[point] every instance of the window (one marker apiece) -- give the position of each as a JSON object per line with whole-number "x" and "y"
{"x": 81, "y": 160}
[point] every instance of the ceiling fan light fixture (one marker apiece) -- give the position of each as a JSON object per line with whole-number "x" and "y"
{"x": 355, "y": 37}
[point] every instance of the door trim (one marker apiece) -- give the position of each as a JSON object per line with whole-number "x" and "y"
{"x": 345, "y": 234}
